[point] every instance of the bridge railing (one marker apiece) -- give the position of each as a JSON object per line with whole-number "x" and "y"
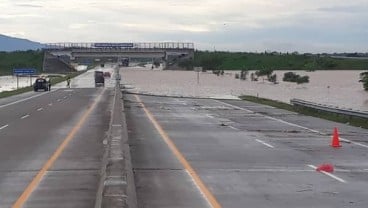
{"x": 142, "y": 45}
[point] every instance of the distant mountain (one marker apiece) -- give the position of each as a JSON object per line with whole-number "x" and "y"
{"x": 17, "y": 44}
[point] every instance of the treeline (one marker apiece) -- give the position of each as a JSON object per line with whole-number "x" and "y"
{"x": 20, "y": 59}
{"x": 276, "y": 61}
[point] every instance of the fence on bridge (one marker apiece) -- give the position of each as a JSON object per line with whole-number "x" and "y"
{"x": 142, "y": 45}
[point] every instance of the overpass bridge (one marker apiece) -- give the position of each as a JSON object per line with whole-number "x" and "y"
{"x": 168, "y": 53}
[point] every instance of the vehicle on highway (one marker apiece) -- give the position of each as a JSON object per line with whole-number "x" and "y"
{"x": 99, "y": 78}
{"x": 107, "y": 74}
{"x": 42, "y": 83}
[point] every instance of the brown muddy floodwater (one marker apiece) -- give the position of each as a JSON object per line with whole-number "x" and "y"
{"x": 337, "y": 88}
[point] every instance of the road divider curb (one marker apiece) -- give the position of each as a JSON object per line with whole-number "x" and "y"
{"x": 116, "y": 187}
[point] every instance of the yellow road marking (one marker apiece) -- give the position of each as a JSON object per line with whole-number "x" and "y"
{"x": 206, "y": 192}
{"x": 37, "y": 179}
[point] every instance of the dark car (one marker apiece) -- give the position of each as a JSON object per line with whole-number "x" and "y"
{"x": 41, "y": 83}
{"x": 107, "y": 74}
{"x": 99, "y": 78}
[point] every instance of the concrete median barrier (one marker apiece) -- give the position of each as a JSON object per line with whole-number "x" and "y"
{"x": 116, "y": 187}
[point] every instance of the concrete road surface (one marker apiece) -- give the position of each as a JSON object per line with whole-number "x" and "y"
{"x": 203, "y": 153}
{"x": 51, "y": 145}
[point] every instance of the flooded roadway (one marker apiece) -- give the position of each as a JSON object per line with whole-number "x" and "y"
{"x": 337, "y": 88}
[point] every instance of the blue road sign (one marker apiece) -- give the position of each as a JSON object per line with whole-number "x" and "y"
{"x": 24, "y": 71}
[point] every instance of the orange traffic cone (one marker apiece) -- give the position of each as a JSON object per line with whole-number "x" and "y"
{"x": 335, "y": 139}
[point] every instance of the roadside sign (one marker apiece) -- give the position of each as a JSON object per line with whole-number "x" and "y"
{"x": 24, "y": 71}
{"x": 198, "y": 69}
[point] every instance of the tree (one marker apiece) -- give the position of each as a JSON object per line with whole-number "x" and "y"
{"x": 243, "y": 74}
{"x": 303, "y": 79}
{"x": 292, "y": 77}
{"x": 252, "y": 77}
{"x": 187, "y": 64}
{"x": 364, "y": 80}
{"x": 273, "y": 78}
{"x": 211, "y": 62}
{"x": 264, "y": 72}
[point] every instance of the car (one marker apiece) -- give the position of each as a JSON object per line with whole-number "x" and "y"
{"x": 107, "y": 74}
{"x": 99, "y": 78}
{"x": 41, "y": 83}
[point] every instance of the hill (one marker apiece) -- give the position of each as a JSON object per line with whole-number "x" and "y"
{"x": 8, "y": 44}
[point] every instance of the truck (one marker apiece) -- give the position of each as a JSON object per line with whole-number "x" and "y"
{"x": 99, "y": 79}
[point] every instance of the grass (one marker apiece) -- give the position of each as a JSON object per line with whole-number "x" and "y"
{"x": 15, "y": 92}
{"x": 353, "y": 121}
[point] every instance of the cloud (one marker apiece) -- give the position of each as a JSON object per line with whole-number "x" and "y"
{"x": 29, "y": 5}
{"x": 235, "y": 25}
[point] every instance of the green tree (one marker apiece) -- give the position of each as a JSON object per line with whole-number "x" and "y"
{"x": 303, "y": 79}
{"x": 187, "y": 64}
{"x": 364, "y": 80}
{"x": 264, "y": 72}
{"x": 211, "y": 62}
{"x": 292, "y": 77}
{"x": 243, "y": 74}
{"x": 20, "y": 59}
{"x": 273, "y": 78}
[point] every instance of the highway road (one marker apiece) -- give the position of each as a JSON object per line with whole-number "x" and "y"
{"x": 185, "y": 152}
{"x": 51, "y": 145}
{"x": 221, "y": 153}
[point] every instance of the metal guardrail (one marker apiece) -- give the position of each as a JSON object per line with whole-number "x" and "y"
{"x": 329, "y": 108}
{"x": 142, "y": 45}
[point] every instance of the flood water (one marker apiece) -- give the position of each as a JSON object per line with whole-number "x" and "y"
{"x": 337, "y": 88}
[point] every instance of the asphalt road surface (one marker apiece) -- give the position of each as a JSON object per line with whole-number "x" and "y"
{"x": 211, "y": 153}
{"x": 51, "y": 145}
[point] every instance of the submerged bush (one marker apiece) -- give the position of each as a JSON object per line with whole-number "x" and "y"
{"x": 292, "y": 77}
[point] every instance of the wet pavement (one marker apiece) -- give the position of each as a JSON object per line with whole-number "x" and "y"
{"x": 34, "y": 130}
{"x": 246, "y": 154}
{"x": 51, "y": 146}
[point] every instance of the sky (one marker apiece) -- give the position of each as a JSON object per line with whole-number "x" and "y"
{"x": 228, "y": 25}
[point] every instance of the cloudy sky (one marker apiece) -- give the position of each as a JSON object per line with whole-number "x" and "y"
{"x": 231, "y": 25}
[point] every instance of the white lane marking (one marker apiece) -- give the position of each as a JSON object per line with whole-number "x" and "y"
{"x": 264, "y": 143}
{"x": 234, "y": 106}
{"x": 40, "y": 109}
{"x": 356, "y": 143}
{"x": 25, "y": 116}
{"x": 18, "y": 101}
{"x": 266, "y": 169}
{"x": 3, "y": 127}
{"x": 234, "y": 128}
{"x": 209, "y": 116}
{"x": 65, "y": 97}
{"x": 272, "y": 118}
{"x": 58, "y": 100}
{"x": 50, "y": 104}
{"x": 292, "y": 124}
{"x": 328, "y": 174}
